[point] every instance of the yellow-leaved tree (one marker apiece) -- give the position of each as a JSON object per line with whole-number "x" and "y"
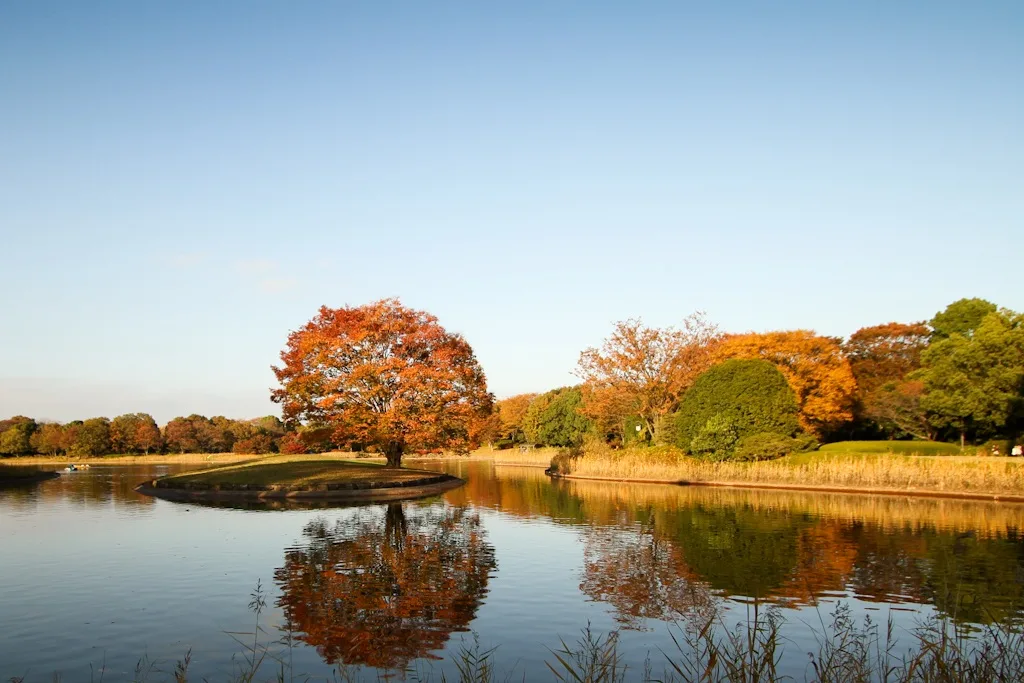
{"x": 814, "y": 366}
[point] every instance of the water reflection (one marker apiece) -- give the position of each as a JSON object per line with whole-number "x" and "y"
{"x": 759, "y": 547}
{"x": 643, "y": 576}
{"x": 99, "y": 485}
{"x": 386, "y": 585}
{"x": 650, "y": 550}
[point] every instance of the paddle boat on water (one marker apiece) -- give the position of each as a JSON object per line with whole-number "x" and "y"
{"x": 75, "y": 468}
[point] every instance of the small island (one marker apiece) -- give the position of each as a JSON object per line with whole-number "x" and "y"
{"x": 308, "y": 478}
{"x": 21, "y": 476}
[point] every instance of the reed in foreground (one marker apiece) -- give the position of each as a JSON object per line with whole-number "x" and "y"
{"x": 707, "y": 649}
{"x": 883, "y": 471}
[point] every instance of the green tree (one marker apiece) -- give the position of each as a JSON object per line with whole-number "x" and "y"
{"x": 960, "y": 317}
{"x": 750, "y": 396}
{"x": 16, "y": 440}
{"x": 975, "y": 384}
{"x": 48, "y": 439}
{"x": 91, "y": 438}
{"x": 555, "y": 418}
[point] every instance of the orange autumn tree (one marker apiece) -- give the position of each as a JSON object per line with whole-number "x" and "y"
{"x": 814, "y": 366}
{"x": 885, "y": 353}
{"x": 882, "y": 358}
{"x": 385, "y": 376}
{"x": 642, "y": 371}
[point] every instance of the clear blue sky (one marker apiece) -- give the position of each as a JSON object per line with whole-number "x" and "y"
{"x": 181, "y": 184}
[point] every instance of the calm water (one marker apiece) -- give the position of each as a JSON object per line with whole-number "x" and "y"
{"x": 94, "y": 577}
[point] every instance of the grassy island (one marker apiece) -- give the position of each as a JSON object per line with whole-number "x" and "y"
{"x": 15, "y": 476}
{"x": 301, "y": 477}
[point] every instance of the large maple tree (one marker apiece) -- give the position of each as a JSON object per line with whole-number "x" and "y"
{"x": 382, "y": 375}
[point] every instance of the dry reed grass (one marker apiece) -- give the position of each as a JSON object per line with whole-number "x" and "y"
{"x": 537, "y": 457}
{"x": 883, "y": 471}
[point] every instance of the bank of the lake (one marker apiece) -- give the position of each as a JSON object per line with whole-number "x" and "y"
{"x": 17, "y": 476}
{"x": 301, "y": 477}
{"x": 880, "y": 473}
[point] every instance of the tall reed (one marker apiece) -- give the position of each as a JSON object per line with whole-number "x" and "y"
{"x": 884, "y": 471}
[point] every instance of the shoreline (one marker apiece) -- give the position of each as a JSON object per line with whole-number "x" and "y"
{"x": 809, "y": 488}
{"x": 373, "y": 491}
{"x": 7, "y": 482}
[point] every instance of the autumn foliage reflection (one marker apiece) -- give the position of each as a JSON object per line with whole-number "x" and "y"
{"x": 642, "y": 575}
{"x": 386, "y": 586}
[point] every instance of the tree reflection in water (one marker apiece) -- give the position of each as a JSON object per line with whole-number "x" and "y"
{"x": 383, "y": 589}
{"x": 659, "y": 563}
{"x": 642, "y": 576}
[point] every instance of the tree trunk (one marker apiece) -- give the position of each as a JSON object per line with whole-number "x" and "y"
{"x": 393, "y": 452}
{"x": 963, "y": 438}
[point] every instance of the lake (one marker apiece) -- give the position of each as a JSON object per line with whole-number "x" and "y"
{"x": 97, "y": 580}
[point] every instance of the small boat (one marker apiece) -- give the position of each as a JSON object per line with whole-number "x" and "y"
{"x": 75, "y": 468}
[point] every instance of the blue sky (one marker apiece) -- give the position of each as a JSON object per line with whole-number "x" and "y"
{"x": 181, "y": 184}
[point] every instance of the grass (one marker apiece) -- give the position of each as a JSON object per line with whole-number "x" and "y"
{"x": 898, "y": 447}
{"x": 538, "y": 457}
{"x": 294, "y": 471}
{"x": 878, "y": 471}
{"x": 706, "y": 649}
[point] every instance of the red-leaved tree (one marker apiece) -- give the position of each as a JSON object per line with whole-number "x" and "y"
{"x": 382, "y": 375}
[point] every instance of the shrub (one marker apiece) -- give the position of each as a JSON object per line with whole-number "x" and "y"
{"x": 805, "y": 443}
{"x": 631, "y": 436}
{"x": 563, "y": 460}
{"x": 752, "y": 395}
{"x": 716, "y": 440}
{"x": 257, "y": 445}
{"x": 291, "y": 444}
{"x": 769, "y": 446}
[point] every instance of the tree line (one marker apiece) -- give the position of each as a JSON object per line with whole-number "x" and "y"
{"x": 957, "y": 377}
{"x": 388, "y": 379}
{"x": 138, "y": 433}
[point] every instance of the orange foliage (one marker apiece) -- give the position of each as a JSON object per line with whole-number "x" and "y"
{"x": 383, "y": 375}
{"x": 642, "y": 575}
{"x": 885, "y": 353}
{"x": 643, "y": 370}
{"x": 511, "y": 412}
{"x": 814, "y": 366}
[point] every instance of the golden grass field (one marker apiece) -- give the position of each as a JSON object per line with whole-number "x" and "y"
{"x": 940, "y": 474}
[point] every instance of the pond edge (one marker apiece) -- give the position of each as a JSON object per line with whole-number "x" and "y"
{"x": 903, "y": 493}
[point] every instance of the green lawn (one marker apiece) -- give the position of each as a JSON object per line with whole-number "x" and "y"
{"x": 900, "y": 447}
{"x": 291, "y": 471}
